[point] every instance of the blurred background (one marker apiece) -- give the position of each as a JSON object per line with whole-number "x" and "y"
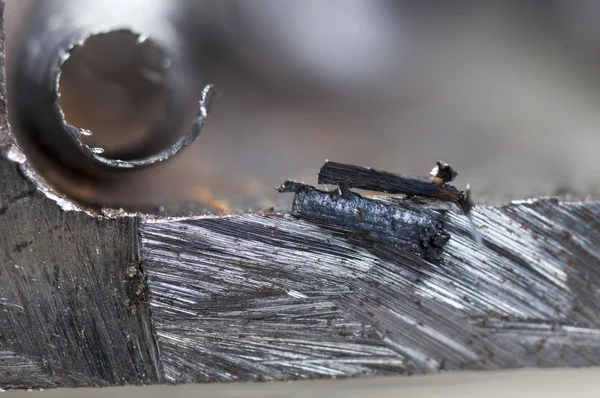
{"x": 506, "y": 91}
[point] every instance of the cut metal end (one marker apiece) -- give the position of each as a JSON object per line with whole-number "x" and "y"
{"x": 208, "y": 94}
{"x": 41, "y": 122}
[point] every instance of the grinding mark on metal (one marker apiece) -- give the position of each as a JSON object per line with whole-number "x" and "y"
{"x": 19, "y": 372}
{"x": 72, "y": 307}
{"x": 272, "y": 297}
{"x": 270, "y": 325}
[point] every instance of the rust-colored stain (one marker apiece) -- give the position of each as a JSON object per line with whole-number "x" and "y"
{"x": 207, "y": 196}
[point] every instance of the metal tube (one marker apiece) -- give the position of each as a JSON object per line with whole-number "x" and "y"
{"x": 55, "y": 29}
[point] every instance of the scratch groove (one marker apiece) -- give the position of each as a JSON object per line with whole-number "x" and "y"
{"x": 271, "y": 297}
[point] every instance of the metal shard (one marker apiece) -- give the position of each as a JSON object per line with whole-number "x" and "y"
{"x": 351, "y": 176}
{"x": 370, "y": 221}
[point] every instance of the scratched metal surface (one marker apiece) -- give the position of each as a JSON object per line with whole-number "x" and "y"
{"x": 263, "y": 297}
{"x": 72, "y": 298}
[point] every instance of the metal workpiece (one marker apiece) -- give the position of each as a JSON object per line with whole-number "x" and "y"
{"x": 342, "y": 285}
{"x": 57, "y": 29}
{"x": 274, "y": 297}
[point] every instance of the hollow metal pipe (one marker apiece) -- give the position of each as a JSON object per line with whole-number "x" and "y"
{"x": 55, "y": 28}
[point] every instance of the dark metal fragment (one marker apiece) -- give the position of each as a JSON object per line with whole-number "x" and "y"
{"x": 290, "y": 186}
{"x": 407, "y": 228}
{"x": 351, "y": 176}
{"x": 443, "y": 172}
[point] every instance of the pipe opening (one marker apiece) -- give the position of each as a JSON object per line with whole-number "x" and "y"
{"x": 115, "y": 85}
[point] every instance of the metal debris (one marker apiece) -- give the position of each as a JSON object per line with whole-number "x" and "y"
{"x": 351, "y": 176}
{"x": 443, "y": 172}
{"x": 370, "y": 220}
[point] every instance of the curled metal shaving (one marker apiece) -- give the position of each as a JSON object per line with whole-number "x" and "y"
{"x": 207, "y": 96}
